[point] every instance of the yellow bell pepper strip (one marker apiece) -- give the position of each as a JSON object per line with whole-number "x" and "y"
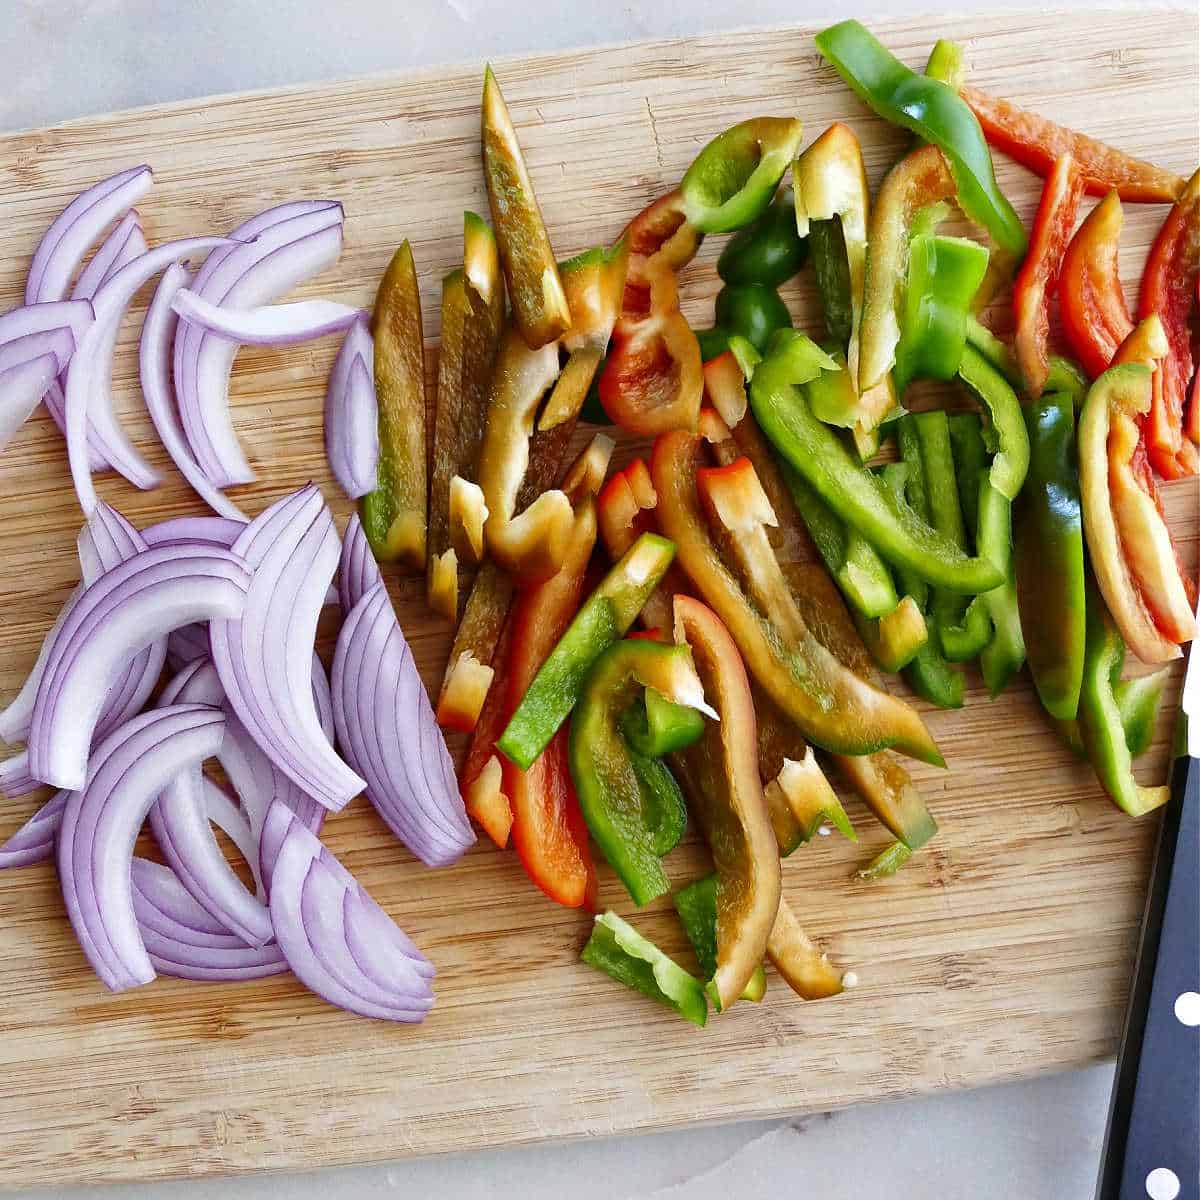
{"x": 1064, "y": 376}
{"x": 1168, "y": 290}
{"x": 604, "y": 618}
{"x": 535, "y": 290}
{"x": 803, "y": 967}
{"x": 696, "y": 905}
{"x": 731, "y": 182}
{"x": 1100, "y": 723}
{"x": 832, "y": 706}
{"x": 727, "y": 800}
{"x": 769, "y": 252}
{"x": 1037, "y": 143}
{"x": 393, "y": 515}
{"x": 1048, "y": 554}
{"x": 936, "y": 113}
{"x": 1130, "y": 545}
{"x": 631, "y": 803}
{"x": 617, "y": 949}
{"x": 854, "y": 493}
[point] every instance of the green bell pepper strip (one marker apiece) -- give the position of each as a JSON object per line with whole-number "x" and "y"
{"x": 696, "y": 905}
{"x": 945, "y": 62}
{"x": 1138, "y": 700}
{"x": 769, "y": 252}
{"x": 632, "y": 805}
{"x": 713, "y": 342}
{"x": 1064, "y": 375}
{"x": 655, "y": 726}
{"x": 1048, "y": 553}
{"x": 944, "y": 274}
{"x": 1100, "y": 722}
{"x": 732, "y": 180}
{"x": 970, "y": 462}
{"x": 831, "y": 270}
{"x": 617, "y": 949}
{"x": 832, "y": 395}
{"x": 604, "y": 618}
{"x": 1007, "y": 430}
{"x": 814, "y": 450}
{"x": 936, "y": 113}
{"x": 745, "y": 354}
{"x": 752, "y": 310}
{"x": 885, "y": 864}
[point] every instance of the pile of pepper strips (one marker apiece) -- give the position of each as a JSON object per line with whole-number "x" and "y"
{"x": 765, "y": 568}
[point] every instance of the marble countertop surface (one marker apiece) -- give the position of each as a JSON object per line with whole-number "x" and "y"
{"x": 1038, "y": 1140}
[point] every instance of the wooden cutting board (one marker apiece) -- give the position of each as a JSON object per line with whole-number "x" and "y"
{"x": 1001, "y": 950}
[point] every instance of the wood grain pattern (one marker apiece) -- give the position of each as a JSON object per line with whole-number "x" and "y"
{"x": 1001, "y": 951}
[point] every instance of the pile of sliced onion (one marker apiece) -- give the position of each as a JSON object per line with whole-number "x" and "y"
{"x": 352, "y": 414}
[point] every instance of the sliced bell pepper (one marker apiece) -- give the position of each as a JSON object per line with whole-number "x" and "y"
{"x": 1095, "y": 317}
{"x": 1132, "y": 554}
{"x": 712, "y": 342}
{"x": 724, "y": 389}
{"x": 594, "y": 283}
{"x": 1038, "y": 143}
{"x": 1048, "y": 552}
{"x": 945, "y": 62}
{"x": 894, "y": 638}
{"x": 1007, "y": 424}
{"x": 752, "y": 310}
{"x": 1038, "y": 276}
{"x": 814, "y": 450}
{"x": 467, "y": 517}
{"x": 633, "y": 817}
{"x": 727, "y": 800}
{"x": 696, "y": 905}
{"x": 1169, "y": 289}
{"x": 1064, "y": 376}
{"x": 769, "y": 251}
{"x": 605, "y": 616}
{"x": 1138, "y": 700}
{"x": 657, "y": 726}
{"x": 1100, "y": 723}
{"x": 539, "y": 303}
{"x": 617, "y": 949}
{"x": 804, "y": 968}
{"x": 393, "y": 515}
{"x": 936, "y": 113}
{"x": 661, "y": 241}
{"x": 732, "y": 180}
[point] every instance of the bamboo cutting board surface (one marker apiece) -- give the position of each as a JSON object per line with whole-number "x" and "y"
{"x": 1001, "y": 950}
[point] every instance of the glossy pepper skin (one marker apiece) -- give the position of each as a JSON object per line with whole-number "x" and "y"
{"x": 627, "y": 818}
{"x": 1130, "y": 545}
{"x": 394, "y": 514}
{"x": 753, "y": 310}
{"x": 732, "y": 180}
{"x": 833, "y": 707}
{"x": 936, "y": 113}
{"x": 1038, "y": 143}
{"x": 802, "y": 966}
{"x": 1010, "y": 462}
{"x": 778, "y": 402}
{"x": 769, "y": 251}
{"x": 535, "y": 289}
{"x": 1169, "y": 290}
{"x": 1064, "y": 376}
{"x": 727, "y": 802}
{"x": 1038, "y": 276}
{"x": 1048, "y": 552}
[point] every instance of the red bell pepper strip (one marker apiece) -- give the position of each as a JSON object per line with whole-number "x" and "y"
{"x": 1095, "y": 316}
{"x": 1168, "y": 288}
{"x": 1037, "y": 143}
{"x": 1038, "y": 276}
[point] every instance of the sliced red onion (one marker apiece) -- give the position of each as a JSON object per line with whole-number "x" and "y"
{"x": 264, "y": 658}
{"x": 352, "y": 414}
{"x": 125, "y": 242}
{"x": 314, "y": 927}
{"x": 216, "y": 531}
{"x": 226, "y": 814}
{"x": 386, "y": 727}
{"x": 34, "y": 841}
{"x": 290, "y": 244}
{"x": 93, "y": 356}
{"x": 154, "y": 364}
{"x": 21, "y": 390}
{"x": 269, "y": 324}
{"x": 101, "y": 823}
{"x": 358, "y": 571}
{"x": 125, "y": 610}
{"x": 58, "y": 343}
{"x": 76, "y": 316}
{"x": 16, "y": 777}
{"x": 78, "y": 227}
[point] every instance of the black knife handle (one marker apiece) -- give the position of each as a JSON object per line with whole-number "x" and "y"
{"x": 1153, "y": 1137}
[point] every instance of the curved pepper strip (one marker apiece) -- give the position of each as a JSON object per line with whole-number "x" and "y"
{"x": 1038, "y": 276}
{"x": 1064, "y": 376}
{"x": 1038, "y": 143}
{"x": 936, "y": 113}
{"x": 805, "y": 969}
{"x": 727, "y": 801}
{"x": 732, "y": 180}
{"x": 769, "y": 252}
{"x": 1131, "y": 550}
{"x": 1138, "y": 701}
{"x": 626, "y": 813}
{"x": 1169, "y": 289}
{"x": 832, "y": 706}
{"x": 696, "y": 905}
{"x": 1008, "y": 433}
{"x": 860, "y": 499}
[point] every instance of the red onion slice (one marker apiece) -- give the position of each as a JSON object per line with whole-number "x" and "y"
{"x": 21, "y": 390}
{"x": 352, "y": 414}
{"x": 58, "y": 343}
{"x": 358, "y": 571}
{"x": 310, "y": 914}
{"x": 216, "y": 531}
{"x": 386, "y": 727}
{"x": 92, "y": 357}
{"x": 264, "y": 658}
{"x": 268, "y": 325}
{"x": 289, "y": 244}
{"x": 16, "y": 778}
{"x": 125, "y": 242}
{"x": 34, "y": 841}
{"x": 101, "y": 823}
{"x": 77, "y": 316}
{"x": 125, "y": 610}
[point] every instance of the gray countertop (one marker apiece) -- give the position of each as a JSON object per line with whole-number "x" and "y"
{"x": 1034, "y": 1140}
